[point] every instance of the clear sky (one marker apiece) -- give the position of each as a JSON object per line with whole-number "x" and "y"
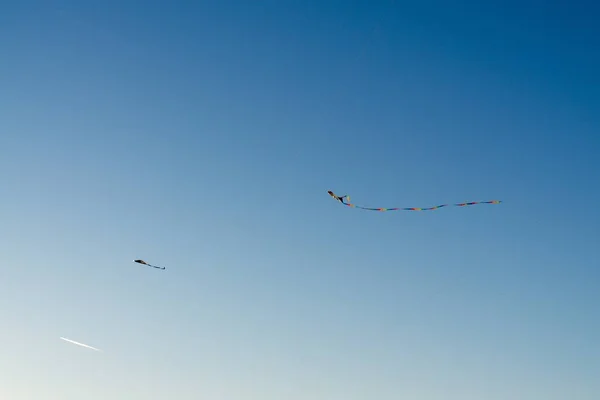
{"x": 203, "y": 137}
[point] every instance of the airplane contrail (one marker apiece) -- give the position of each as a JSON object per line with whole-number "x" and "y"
{"x": 80, "y": 344}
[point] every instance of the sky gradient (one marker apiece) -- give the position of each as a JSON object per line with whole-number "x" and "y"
{"x": 203, "y": 138}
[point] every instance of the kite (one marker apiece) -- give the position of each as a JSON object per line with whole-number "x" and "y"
{"x": 471, "y": 203}
{"x": 339, "y": 198}
{"x": 145, "y": 263}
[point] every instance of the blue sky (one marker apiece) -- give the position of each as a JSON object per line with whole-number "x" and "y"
{"x": 204, "y": 138}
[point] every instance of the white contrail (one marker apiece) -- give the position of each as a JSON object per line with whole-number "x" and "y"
{"x": 80, "y": 344}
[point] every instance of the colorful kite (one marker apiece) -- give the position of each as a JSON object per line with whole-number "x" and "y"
{"x": 341, "y": 200}
{"x": 145, "y": 263}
